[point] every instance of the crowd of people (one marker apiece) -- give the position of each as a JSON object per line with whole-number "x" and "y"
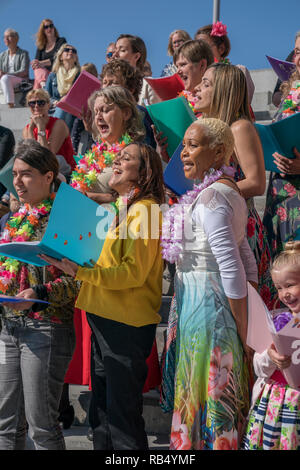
{"x": 221, "y": 393}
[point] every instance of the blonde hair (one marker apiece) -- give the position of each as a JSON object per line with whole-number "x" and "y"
{"x": 123, "y": 99}
{"x": 230, "y": 94}
{"x": 219, "y": 133}
{"x": 39, "y": 93}
{"x": 286, "y": 86}
{"x": 290, "y": 256}
{"x": 41, "y": 39}
{"x": 185, "y": 36}
{"x": 58, "y": 61}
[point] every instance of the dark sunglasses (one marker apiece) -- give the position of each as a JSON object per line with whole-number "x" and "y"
{"x": 70, "y": 49}
{"x": 109, "y": 55}
{"x": 47, "y": 26}
{"x": 40, "y": 103}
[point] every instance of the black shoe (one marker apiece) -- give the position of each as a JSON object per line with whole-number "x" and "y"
{"x": 66, "y": 417}
{"x": 90, "y": 434}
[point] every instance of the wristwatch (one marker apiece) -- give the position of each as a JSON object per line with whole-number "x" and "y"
{"x": 42, "y": 133}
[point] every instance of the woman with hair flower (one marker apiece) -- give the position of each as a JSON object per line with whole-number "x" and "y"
{"x": 36, "y": 340}
{"x": 48, "y": 43}
{"x": 205, "y": 235}
{"x": 217, "y": 38}
{"x": 282, "y": 212}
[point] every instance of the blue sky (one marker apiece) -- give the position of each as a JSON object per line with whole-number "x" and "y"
{"x": 255, "y": 27}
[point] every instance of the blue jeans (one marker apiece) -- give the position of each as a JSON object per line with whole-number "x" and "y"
{"x": 34, "y": 357}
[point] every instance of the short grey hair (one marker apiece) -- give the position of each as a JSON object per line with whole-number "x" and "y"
{"x": 13, "y": 32}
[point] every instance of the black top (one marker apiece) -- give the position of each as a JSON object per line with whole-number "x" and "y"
{"x": 7, "y": 143}
{"x": 41, "y": 54}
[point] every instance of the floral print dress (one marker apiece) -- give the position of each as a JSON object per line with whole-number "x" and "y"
{"x": 282, "y": 212}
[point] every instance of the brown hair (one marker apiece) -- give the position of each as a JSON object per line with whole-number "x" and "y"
{"x": 185, "y": 36}
{"x": 194, "y": 51}
{"x": 41, "y": 39}
{"x": 137, "y": 45}
{"x": 230, "y": 95}
{"x": 91, "y": 68}
{"x": 286, "y": 86}
{"x": 123, "y": 99}
{"x": 290, "y": 256}
{"x": 133, "y": 79}
{"x": 218, "y": 40}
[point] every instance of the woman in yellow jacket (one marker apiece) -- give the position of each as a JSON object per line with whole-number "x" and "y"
{"x": 122, "y": 293}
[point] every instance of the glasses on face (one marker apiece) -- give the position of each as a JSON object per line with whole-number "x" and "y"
{"x": 40, "y": 103}
{"x": 70, "y": 49}
{"x": 48, "y": 26}
{"x": 109, "y": 55}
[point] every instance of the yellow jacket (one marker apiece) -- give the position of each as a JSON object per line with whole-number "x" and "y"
{"x": 125, "y": 285}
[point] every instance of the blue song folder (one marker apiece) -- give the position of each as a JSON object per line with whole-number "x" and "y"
{"x": 77, "y": 229}
{"x": 174, "y": 176}
{"x": 281, "y": 137}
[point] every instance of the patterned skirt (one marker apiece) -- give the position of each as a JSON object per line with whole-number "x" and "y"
{"x": 274, "y": 422}
{"x": 211, "y": 399}
{"x": 282, "y": 214}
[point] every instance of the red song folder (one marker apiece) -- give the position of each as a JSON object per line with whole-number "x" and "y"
{"x": 166, "y": 88}
{"x": 77, "y": 97}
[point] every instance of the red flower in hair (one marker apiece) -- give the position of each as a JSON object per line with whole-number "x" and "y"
{"x": 219, "y": 29}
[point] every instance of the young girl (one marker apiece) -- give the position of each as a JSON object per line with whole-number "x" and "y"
{"x": 274, "y": 421}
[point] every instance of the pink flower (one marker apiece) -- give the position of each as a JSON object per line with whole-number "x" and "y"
{"x": 227, "y": 441}
{"x": 274, "y": 191}
{"x": 219, "y": 29}
{"x": 291, "y": 190}
{"x": 179, "y": 434}
{"x": 281, "y": 212}
{"x": 219, "y": 372}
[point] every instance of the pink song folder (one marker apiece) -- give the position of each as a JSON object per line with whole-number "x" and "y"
{"x": 77, "y": 97}
{"x": 166, "y": 88}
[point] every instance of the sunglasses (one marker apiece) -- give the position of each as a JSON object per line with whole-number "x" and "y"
{"x": 70, "y": 49}
{"x": 40, "y": 103}
{"x": 47, "y": 26}
{"x": 109, "y": 55}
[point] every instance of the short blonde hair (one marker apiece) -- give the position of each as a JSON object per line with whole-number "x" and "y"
{"x": 39, "y": 93}
{"x": 218, "y": 133}
{"x": 290, "y": 256}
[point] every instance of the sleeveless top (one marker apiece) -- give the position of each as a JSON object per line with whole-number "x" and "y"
{"x": 66, "y": 150}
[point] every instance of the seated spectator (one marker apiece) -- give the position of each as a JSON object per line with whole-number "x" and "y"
{"x": 147, "y": 71}
{"x": 176, "y": 38}
{"x": 65, "y": 70}
{"x": 109, "y": 51}
{"x": 133, "y": 50}
{"x": 119, "y": 72}
{"x": 14, "y": 66}
{"x": 7, "y": 144}
{"x": 49, "y": 131}
{"x": 48, "y": 43}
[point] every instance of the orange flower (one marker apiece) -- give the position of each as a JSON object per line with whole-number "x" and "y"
{"x": 227, "y": 441}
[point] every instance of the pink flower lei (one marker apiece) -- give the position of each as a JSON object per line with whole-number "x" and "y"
{"x": 173, "y": 220}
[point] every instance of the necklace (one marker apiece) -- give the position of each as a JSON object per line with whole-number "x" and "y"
{"x": 173, "y": 220}
{"x": 21, "y": 227}
{"x": 291, "y": 104}
{"x": 122, "y": 201}
{"x": 94, "y": 161}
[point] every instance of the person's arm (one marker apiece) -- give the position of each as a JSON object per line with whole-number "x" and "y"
{"x": 138, "y": 255}
{"x": 101, "y": 198}
{"x": 58, "y": 135}
{"x": 249, "y": 262}
{"x": 249, "y": 154}
{"x": 7, "y": 143}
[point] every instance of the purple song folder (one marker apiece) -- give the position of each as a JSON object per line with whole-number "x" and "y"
{"x": 77, "y": 97}
{"x": 282, "y": 68}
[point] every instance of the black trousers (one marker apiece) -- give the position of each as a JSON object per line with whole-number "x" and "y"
{"x": 118, "y": 374}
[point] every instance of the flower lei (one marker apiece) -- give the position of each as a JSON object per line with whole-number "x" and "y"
{"x": 188, "y": 95}
{"x": 173, "y": 220}
{"x": 94, "y": 161}
{"x": 20, "y": 228}
{"x": 291, "y": 104}
{"x": 122, "y": 201}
